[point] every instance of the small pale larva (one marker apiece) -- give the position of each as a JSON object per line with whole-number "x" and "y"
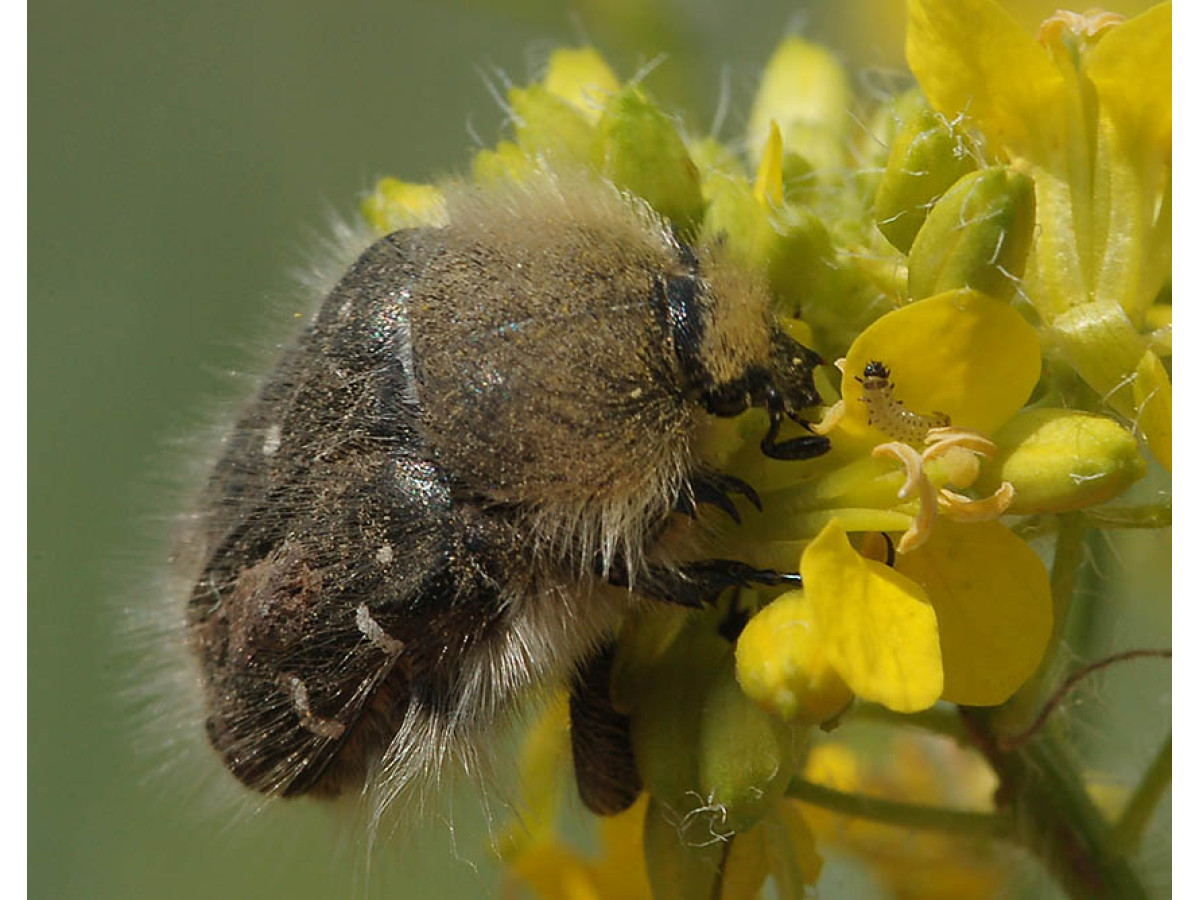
{"x": 890, "y": 415}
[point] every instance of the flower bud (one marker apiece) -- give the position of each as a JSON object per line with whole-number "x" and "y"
{"x": 701, "y": 745}
{"x": 927, "y": 157}
{"x": 716, "y": 162}
{"x": 547, "y": 125}
{"x": 735, "y": 218}
{"x": 396, "y": 204}
{"x": 507, "y": 162}
{"x": 640, "y": 149}
{"x": 977, "y": 236}
{"x": 580, "y": 76}
{"x": 1060, "y": 460}
{"x": 804, "y": 89}
{"x": 782, "y": 667}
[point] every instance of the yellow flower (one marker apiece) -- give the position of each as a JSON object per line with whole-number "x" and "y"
{"x": 965, "y": 614}
{"x": 1085, "y": 110}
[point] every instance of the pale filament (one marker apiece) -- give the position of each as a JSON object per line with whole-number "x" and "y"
{"x": 959, "y": 508}
{"x": 916, "y": 481}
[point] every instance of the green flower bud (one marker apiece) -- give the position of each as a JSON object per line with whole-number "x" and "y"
{"x": 1060, "y": 460}
{"x": 547, "y": 125}
{"x": 801, "y": 181}
{"x": 735, "y": 217}
{"x": 716, "y": 162}
{"x": 874, "y": 142}
{"x": 803, "y": 266}
{"x": 640, "y": 149}
{"x": 701, "y": 745}
{"x": 804, "y": 89}
{"x": 927, "y": 157}
{"x": 782, "y": 666}
{"x": 744, "y": 759}
{"x": 978, "y": 235}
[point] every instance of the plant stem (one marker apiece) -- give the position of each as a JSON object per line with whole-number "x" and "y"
{"x": 1068, "y": 557}
{"x": 1146, "y": 516}
{"x": 895, "y": 812}
{"x": 1055, "y": 819}
{"x": 940, "y": 719}
{"x": 1137, "y": 813}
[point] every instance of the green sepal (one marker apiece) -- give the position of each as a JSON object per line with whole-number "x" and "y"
{"x": 977, "y": 236}
{"x": 926, "y": 158}
{"x": 639, "y": 148}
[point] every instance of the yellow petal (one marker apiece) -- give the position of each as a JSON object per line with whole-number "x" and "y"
{"x": 1152, "y": 393}
{"x": 547, "y": 125}
{"x": 1131, "y": 69}
{"x": 545, "y": 752}
{"x": 971, "y": 57}
{"x": 961, "y": 353}
{"x": 768, "y": 184}
{"x": 507, "y": 162}
{"x": 782, "y": 666}
{"x": 992, "y": 597}
{"x": 621, "y": 873}
{"x": 554, "y": 872}
{"x": 880, "y": 632}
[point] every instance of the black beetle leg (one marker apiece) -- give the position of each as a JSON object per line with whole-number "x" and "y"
{"x": 715, "y": 488}
{"x": 806, "y": 447}
{"x": 601, "y": 744}
{"x": 700, "y": 583}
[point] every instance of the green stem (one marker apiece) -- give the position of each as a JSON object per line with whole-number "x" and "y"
{"x": 1150, "y": 515}
{"x": 718, "y": 885}
{"x": 940, "y": 719}
{"x": 1068, "y": 557}
{"x": 1145, "y": 516}
{"x": 1056, "y": 820}
{"x": 895, "y": 812}
{"x": 1137, "y": 813}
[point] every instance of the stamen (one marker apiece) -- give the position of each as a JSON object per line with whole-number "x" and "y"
{"x": 922, "y": 527}
{"x": 829, "y": 421}
{"x": 940, "y": 440}
{"x": 959, "y": 465}
{"x": 964, "y": 509}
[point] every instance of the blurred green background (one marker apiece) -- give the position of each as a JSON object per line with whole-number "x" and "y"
{"x": 182, "y": 156}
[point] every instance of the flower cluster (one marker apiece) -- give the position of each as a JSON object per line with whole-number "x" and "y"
{"x": 988, "y": 262}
